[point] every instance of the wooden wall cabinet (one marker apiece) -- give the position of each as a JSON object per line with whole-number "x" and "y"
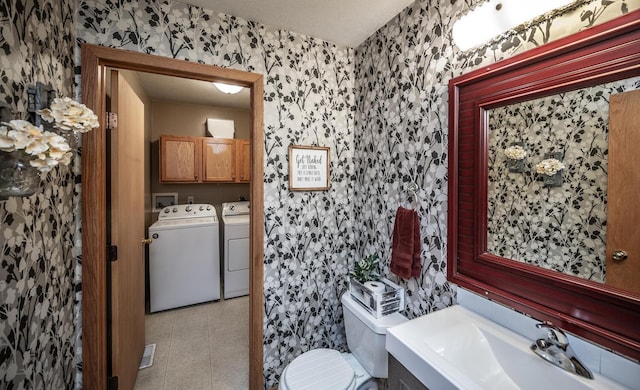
{"x": 218, "y": 160}
{"x": 243, "y": 160}
{"x": 180, "y": 159}
{"x": 204, "y": 160}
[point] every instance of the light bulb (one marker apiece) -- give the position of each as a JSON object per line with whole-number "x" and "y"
{"x": 228, "y": 88}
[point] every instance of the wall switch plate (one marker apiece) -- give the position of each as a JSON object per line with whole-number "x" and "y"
{"x": 190, "y": 199}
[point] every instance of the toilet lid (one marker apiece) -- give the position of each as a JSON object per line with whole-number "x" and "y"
{"x": 320, "y": 369}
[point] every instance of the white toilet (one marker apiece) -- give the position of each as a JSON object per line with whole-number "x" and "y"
{"x": 329, "y": 369}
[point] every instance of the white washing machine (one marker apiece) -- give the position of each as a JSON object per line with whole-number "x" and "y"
{"x": 235, "y": 221}
{"x": 184, "y": 257}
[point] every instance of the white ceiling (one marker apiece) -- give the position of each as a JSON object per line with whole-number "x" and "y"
{"x": 345, "y": 22}
{"x": 160, "y": 87}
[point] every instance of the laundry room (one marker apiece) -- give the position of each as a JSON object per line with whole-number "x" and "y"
{"x": 179, "y": 117}
{"x": 196, "y": 164}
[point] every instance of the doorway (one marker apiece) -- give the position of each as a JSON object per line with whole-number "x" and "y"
{"x": 95, "y": 60}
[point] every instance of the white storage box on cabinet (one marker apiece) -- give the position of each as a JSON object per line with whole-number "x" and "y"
{"x": 221, "y": 128}
{"x": 379, "y": 304}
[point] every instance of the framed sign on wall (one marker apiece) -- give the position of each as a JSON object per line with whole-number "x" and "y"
{"x": 308, "y": 168}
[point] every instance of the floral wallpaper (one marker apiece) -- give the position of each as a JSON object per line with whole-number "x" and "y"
{"x": 401, "y": 129}
{"x": 37, "y": 263}
{"x": 561, "y": 228}
{"x": 381, "y": 107}
{"x": 402, "y": 75}
{"x": 309, "y": 100}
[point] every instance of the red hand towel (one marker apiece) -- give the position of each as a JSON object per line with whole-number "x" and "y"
{"x": 405, "y": 250}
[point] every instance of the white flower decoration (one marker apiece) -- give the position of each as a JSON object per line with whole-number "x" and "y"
{"x": 24, "y": 135}
{"x": 549, "y": 167}
{"x": 6, "y": 142}
{"x": 515, "y": 152}
{"x": 46, "y": 148}
{"x": 69, "y": 115}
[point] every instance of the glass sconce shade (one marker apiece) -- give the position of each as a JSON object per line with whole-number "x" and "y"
{"x": 554, "y": 180}
{"x": 17, "y": 176}
{"x": 516, "y": 166}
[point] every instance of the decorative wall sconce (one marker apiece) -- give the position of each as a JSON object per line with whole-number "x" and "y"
{"x": 17, "y": 176}
{"x": 516, "y": 156}
{"x": 495, "y": 17}
{"x": 38, "y": 98}
{"x": 551, "y": 169}
{"x": 28, "y": 151}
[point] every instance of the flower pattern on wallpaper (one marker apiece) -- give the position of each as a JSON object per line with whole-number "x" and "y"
{"x": 382, "y": 108}
{"x": 387, "y": 129}
{"x": 401, "y": 129}
{"x": 37, "y": 264}
{"x": 309, "y": 100}
{"x": 560, "y": 228}
{"x": 402, "y": 75}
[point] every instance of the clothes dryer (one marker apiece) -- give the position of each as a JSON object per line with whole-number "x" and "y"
{"x": 235, "y": 221}
{"x": 184, "y": 257}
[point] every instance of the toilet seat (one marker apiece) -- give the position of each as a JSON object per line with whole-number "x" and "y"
{"x": 319, "y": 369}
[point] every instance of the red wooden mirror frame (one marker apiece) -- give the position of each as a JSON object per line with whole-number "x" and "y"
{"x": 605, "y": 315}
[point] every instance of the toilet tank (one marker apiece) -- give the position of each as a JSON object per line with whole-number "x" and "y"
{"x": 366, "y": 335}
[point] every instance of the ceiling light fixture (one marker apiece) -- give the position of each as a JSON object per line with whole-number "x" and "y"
{"x": 228, "y": 88}
{"x": 497, "y": 16}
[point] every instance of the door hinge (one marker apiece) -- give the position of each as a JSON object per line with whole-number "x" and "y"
{"x": 112, "y": 121}
{"x": 112, "y": 252}
{"x": 112, "y": 383}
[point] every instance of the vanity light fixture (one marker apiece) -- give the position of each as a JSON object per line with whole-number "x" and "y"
{"x": 228, "y": 88}
{"x": 497, "y": 16}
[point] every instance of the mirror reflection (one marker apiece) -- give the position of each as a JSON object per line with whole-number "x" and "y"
{"x": 547, "y": 180}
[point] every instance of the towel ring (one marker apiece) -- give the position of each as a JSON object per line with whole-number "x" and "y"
{"x": 411, "y": 189}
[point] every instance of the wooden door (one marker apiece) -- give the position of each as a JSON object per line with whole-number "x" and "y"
{"x": 180, "y": 159}
{"x": 218, "y": 159}
{"x": 243, "y": 161}
{"x": 127, "y": 231}
{"x": 623, "y": 209}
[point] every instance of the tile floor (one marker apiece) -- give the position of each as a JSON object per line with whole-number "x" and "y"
{"x": 202, "y": 347}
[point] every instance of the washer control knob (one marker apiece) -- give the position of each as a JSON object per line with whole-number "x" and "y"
{"x": 175, "y": 209}
{"x": 201, "y": 208}
{"x": 166, "y": 210}
{"x": 208, "y": 207}
{"x": 188, "y": 209}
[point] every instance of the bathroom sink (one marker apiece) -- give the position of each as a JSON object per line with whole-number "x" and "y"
{"x": 458, "y": 349}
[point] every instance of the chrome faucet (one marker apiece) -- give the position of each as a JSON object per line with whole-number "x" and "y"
{"x": 556, "y": 350}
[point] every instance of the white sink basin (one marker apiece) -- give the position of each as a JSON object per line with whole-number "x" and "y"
{"x": 455, "y": 348}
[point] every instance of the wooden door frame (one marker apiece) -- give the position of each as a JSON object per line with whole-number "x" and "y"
{"x": 95, "y": 60}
